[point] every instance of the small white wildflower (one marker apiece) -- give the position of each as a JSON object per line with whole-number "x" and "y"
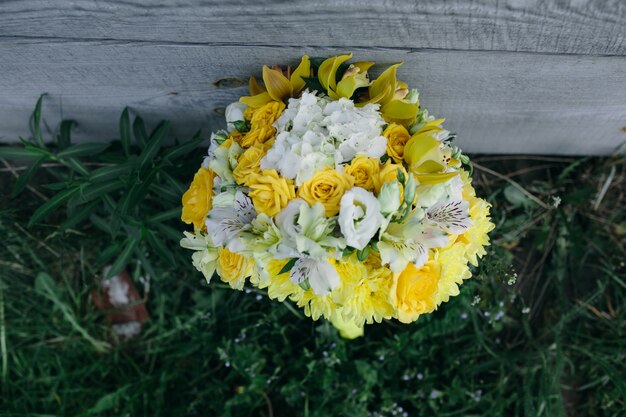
{"x": 526, "y": 310}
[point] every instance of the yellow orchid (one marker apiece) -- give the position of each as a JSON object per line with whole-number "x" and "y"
{"x": 355, "y": 76}
{"x": 423, "y": 154}
{"x": 278, "y": 87}
{"x": 391, "y": 94}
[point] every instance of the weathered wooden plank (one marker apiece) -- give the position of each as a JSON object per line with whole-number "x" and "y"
{"x": 595, "y": 27}
{"x": 497, "y": 102}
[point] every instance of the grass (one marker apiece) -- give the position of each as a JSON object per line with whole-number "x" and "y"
{"x": 539, "y": 331}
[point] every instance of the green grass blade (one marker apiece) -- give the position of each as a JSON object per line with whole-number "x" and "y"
{"x": 124, "y": 257}
{"x": 82, "y": 149}
{"x": 139, "y": 130}
{"x": 153, "y": 145}
{"x": 65, "y": 132}
{"x": 125, "y": 131}
{"x": 51, "y": 205}
{"x": 26, "y": 176}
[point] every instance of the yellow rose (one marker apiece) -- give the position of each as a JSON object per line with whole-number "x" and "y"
{"x": 413, "y": 291}
{"x": 364, "y": 170}
{"x": 270, "y": 192}
{"x": 261, "y": 129}
{"x": 397, "y": 137}
{"x": 249, "y": 163}
{"x": 233, "y": 268}
{"x": 388, "y": 172}
{"x": 326, "y": 187}
{"x": 197, "y": 200}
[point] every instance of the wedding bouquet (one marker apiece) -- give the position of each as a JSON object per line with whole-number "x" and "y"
{"x": 338, "y": 193}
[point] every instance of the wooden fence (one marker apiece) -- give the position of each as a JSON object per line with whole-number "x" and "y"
{"x": 510, "y": 76}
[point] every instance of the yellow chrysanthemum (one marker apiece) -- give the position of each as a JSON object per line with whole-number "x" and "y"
{"x": 454, "y": 270}
{"x": 477, "y": 237}
{"x": 364, "y": 291}
{"x": 279, "y": 286}
{"x": 197, "y": 200}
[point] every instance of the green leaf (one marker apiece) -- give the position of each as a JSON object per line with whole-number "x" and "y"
{"x": 93, "y": 191}
{"x": 64, "y": 137}
{"x": 182, "y": 150}
{"x": 153, "y": 145}
{"x": 123, "y": 258}
{"x": 166, "y": 215}
{"x": 36, "y": 117}
{"x": 82, "y": 149}
{"x": 109, "y": 173}
{"x": 22, "y": 154}
{"x": 136, "y": 192}
{"x": 125, "y": 131}
{"x": 314, "y": 84}
{"x": 160, "y": 248}
{"x": 363, "y": 254}
{"x": 242, "y": 126}
{"x": 25, "y": 176}
{"x": 288, "y": 266}
{"x": 169, "y": 232}
{"x": 56, "y": 186}
{"x": 46, "y": 286}
{"x": 107, "y": 253}
{"x": 51, "y": 205}
{"x": 100, "y": 223}
{"x": 77, "y": 166}
{"x": 139, "y": 129}
{"x": 78, "y": 216}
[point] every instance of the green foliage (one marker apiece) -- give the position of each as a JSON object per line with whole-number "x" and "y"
{"x": 538, "y": 331}
{"x": 112, "y": 189}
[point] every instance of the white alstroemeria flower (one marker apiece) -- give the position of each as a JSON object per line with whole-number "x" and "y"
{"x": 430, "y": 194}
{"x": 306, "y": 231}
{"x": 234, "y": 113}
{"x": 450, "y": 215}
{"x": 263, "y": 239}
{"x": 225, "y": 160}
{"x": 359, "y": 217}
{"x": 225, "y": 223}
{"x": 409, "y": 241}
{"x": 205, "y": 256}
{"x": 389, "y": 198}
{"x": 320, "y": 274}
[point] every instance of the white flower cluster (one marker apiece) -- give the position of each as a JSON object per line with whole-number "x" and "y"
{"x": 315, "y": 132}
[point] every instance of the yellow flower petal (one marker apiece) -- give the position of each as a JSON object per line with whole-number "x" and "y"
{"x": 328, "y": 71}
{"x": 364, "y": 66}
{"x": 303, "y": 70}
{"x": 346, "y": 87}
{"x": 435, "y": 178}
{"x": 278, "y": 86}
{"x": 255, "y": 87}
{"x": 423, "y": 154}
{"x": 257, "y": 100}
{"x": 386, "y": 80}
{"x": 398, "y": 110}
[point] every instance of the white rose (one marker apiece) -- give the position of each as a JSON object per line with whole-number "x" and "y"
{"x": 359, "y": 217}
{"x": 234, "y": 113}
